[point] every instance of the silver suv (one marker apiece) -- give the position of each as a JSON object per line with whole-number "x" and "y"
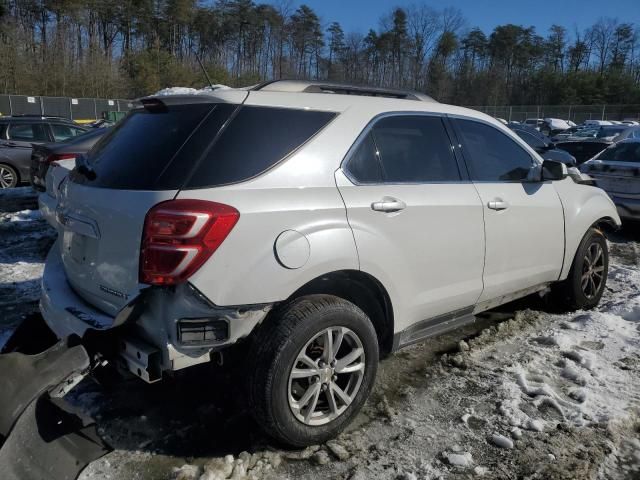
{"x": 317, "y": 226}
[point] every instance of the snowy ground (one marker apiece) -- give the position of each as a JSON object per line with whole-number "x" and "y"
{"x": 523, "y": 393}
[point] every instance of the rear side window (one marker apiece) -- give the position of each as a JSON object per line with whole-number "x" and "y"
{"x": 491, "y": 154}
{"x": 255, "y": 140}
{"x": 134, "y": 155}
{"x": 28, "y": 132}
{"x": 415, "y": 149}
{"x": 64, "y": 132}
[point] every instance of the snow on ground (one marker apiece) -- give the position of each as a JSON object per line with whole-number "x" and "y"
{"x": 25, "y": 237}
{"x": 523, "y": 393}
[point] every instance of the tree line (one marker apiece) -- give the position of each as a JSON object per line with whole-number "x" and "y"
{"x": 130, "y": 48}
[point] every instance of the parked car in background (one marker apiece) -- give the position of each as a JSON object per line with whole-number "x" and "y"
{"x": 43, "y": 155}
{"x": 220, "y": 236}
{"x": 588, "y": 142}
{"x": 553, "y": 126}
{"x": 542, "y": 144}
{"x": 17, "y": 136}
{"x": 617, "y": 171}
{"x": 630, "y": 132}
{"x": 534, "y": 122}
{"x": 596, "y": 123}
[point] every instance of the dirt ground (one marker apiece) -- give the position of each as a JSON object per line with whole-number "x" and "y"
{"x": 522, "y": 393}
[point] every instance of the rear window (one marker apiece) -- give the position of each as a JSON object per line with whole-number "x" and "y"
{"x": 255, "y": 140}
{"x": 622, "y": 152}
{"x": 185, "y": 146}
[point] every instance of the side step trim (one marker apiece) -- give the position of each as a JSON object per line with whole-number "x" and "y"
{"x": 432, "y": 327}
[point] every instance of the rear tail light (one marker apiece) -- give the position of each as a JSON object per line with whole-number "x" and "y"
{"x": 54, "y": 157}
{"x": 179, "y": 236}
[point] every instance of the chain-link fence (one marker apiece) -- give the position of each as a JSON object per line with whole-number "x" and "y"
{"x": 73, "y": 108}
{"x": 575, "y": 113}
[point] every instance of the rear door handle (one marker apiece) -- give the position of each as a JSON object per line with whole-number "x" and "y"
{"x": 498, "y": 204}
{"x": 388, "y": 205}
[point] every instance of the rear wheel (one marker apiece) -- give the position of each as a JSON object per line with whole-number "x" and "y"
{"x": 8, "y": 176}
{"x": 312, "y": 370}
{"x": 587, "y": 278}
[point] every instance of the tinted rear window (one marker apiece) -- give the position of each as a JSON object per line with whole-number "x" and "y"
{"x": 254, "y": 141}
{"x": 135, "y": 154}
{"x": 185, "y": 146}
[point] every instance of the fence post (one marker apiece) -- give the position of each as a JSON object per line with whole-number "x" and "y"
{"x": 95, "y": 109}
{"x": 41, "y": 107}
{"x": 510, "y": 110}
{"x": 603, "y": 108}
{"x": 10, "y": 106}
{"x": 569, "y": 115}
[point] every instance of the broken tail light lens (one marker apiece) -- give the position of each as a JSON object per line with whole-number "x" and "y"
{"x": 180, "y": 236}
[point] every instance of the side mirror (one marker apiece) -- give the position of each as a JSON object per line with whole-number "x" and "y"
{"x": 553, "y": 170}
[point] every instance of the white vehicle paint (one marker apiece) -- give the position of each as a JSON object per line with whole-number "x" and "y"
{"x": 418, "y": 255}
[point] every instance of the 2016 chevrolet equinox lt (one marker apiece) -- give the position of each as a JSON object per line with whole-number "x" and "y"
{"x": 323, "y": 225}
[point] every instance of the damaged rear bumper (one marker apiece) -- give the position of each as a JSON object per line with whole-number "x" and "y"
{"x": 163, "y": 329}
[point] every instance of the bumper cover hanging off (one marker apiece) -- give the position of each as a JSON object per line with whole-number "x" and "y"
{"x": 41, "y": 436}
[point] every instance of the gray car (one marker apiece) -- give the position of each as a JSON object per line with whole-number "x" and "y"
{"x": 17, "y": 136}
{"x": 617, "y": 171}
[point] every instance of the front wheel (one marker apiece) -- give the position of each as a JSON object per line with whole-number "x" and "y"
{"x": 313, "y": 368}
{"x": 587, "y": 278}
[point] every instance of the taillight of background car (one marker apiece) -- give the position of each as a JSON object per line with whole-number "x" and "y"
{"x": 179, "y": 236}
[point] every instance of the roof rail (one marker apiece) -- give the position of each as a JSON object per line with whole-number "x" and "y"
{"x": 308, "y": 86}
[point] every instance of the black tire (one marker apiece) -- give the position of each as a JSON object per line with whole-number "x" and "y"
{"x": 571, "y": 294}
{"x": 277, "y": 345}
{"x": 9, "y": 177}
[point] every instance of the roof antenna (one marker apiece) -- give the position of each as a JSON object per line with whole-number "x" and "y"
{"x": 204, "y": 70}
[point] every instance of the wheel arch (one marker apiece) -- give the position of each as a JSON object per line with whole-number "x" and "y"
{"x": 364, "y": 291}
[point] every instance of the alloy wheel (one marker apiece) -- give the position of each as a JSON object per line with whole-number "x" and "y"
{"x": 326, "y": 376}
{"x": 592, "y": 271}
{"x": 6, "y": 177}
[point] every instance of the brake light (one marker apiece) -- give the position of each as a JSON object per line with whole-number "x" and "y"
{"x": 179, "y": 236}
{"x": 54, "y": 157}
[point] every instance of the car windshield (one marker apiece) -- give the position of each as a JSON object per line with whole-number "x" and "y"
{"x": 610, "y": 131}
{"x": 590, "y": 132}
{"x": 622, "y": 152}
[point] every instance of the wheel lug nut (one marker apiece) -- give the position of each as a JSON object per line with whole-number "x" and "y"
{"x": 324, "y": 387}
{"x": 334, "y": 378}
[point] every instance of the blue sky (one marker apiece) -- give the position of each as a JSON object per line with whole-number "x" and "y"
{"x": 360, "y": 15}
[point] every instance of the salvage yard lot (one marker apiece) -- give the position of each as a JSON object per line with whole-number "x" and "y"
{"x": 519, "y": 394}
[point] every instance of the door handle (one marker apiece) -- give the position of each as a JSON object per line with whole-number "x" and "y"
{"x": 498, "y": 204}
{"x": 388, "y": 205}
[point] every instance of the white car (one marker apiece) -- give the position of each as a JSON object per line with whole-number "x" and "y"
{"x": 315, "y": 227}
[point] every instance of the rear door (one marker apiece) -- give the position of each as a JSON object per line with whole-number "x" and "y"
{"x": 524, "y": 221}
{"x": 416, "y": 218}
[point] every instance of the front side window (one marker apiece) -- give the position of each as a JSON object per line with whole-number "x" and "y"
{"x": 364, "y": 163}
{"x": 531, "y": 140}
{"x": 28, "y": 132}
{"x": 491, "y": 154}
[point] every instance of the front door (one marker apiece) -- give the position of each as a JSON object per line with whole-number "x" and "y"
{"x": 524, "y": 221}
